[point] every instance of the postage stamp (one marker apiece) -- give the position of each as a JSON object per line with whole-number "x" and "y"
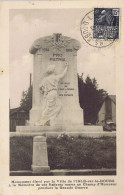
{"x": 100, "y": 27}
{"x": 106, "y": 23}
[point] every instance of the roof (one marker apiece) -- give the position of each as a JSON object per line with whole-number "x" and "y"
{"x": 113, "y": 98}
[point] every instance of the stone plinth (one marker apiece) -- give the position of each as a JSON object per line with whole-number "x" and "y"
{"x": 59, "y": 129}
{"x": 56, "y": 134}
{"x": 40, "y": 157}
{"x": 57, "y": 50}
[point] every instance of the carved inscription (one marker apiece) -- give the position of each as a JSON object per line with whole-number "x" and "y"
{"x": 66, "y": 90}
{"x": 57, "y": 57}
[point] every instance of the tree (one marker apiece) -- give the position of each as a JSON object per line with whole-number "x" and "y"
{"x": 26, "y": 101}
{"x": 90, "y": 98}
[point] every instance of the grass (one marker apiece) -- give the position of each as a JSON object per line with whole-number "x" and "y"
{"x": 66, "y": 152}
{"x": 21, "y": 153}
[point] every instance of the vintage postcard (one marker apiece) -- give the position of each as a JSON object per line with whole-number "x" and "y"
{"x": 61, "y": 116}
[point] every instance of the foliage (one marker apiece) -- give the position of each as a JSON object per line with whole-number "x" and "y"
{"x": 81, "y": 153}
{"x": 21, "y": 153}
{"x": 90, "y": 98}
{"x": 26, "y": 101}
{"x": 66, "y": 152}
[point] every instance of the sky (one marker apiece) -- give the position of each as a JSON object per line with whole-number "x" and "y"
{"x": 27, "y": 25}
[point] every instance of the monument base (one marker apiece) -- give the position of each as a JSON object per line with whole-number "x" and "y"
{"x": 40, "y": 156}
{"x": 59, "y": 129}
{"x": 40, "y": 169}
{"x": 67, "y": 116}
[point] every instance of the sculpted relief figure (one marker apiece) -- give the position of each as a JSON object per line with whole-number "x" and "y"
{"x": 49, "y": 89}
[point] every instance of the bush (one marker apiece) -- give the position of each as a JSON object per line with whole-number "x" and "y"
{"x": 21, "y": 149}
{"x": 66, "y": 152}
{"x": 81, "y": 153}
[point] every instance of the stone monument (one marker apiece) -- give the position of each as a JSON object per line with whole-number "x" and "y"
{"x": 55, "y": 55}
{"x": 55, "y": 87}
{"x": 55, "y": 106}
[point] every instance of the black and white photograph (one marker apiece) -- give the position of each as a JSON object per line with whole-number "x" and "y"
{"x": 61, "y": 97}
{"x": 62, "y": 102}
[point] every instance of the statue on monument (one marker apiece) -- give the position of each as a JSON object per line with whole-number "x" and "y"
{"x": 49, "y": 88}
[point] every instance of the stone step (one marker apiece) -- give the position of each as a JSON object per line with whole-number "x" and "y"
{"x": 70, "y": 128}
{"x": 55, "y": 134}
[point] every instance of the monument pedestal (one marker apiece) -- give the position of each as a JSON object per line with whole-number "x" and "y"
{"x": 40, "y": 157}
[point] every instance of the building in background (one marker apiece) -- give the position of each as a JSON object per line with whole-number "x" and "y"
{"x": 107, "y": 112}
{"x": 18, "y": 117}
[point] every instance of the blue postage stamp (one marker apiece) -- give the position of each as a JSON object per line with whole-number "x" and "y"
{"x": 106, "y": 23}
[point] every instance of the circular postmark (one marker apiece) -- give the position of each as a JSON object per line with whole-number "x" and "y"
{"x": 87, "y": 30}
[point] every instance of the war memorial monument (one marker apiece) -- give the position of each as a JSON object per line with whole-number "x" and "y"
{"x": 55, "y": 106}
